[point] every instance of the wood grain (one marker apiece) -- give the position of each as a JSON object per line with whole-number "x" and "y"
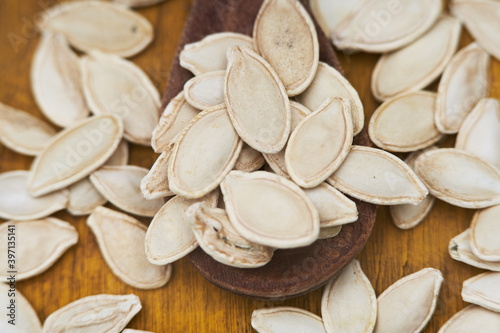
{"x": 189, "y": 303}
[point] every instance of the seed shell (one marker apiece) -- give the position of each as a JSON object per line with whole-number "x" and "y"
{"x": 329, "y": 232}
{"x": 460, "y": 249}
{"x": 249, "y": 159}
{"x": 28, "y": 323}
{"x": 331, "y": 13}
{"x": 472, "y": 319}
{"x": 485, "y": 228}
{"x": 205, "y": 90}
{"x": 286, "y": 319}
{"x": 483, "y": 290}
{"x": 155, "y": 184}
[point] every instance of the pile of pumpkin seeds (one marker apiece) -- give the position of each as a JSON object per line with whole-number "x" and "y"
{"x": 257, "y": 154}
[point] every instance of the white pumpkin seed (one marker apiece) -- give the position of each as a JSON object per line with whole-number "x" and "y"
{"x": 43, "y": 242}
{"x": 205, "y": 90}
{"x": 375, "y": 176}
{"x": 463, "y": 84}
{"x": 329, "y": 232}
{"x": 249, "y": 159}
{"x": 136, "y": 4}
{"x": 320, "y": 143}
{"x": 120, "y": 156}
{"x": 99, "y": 25}
{"x": 331, "y": 13}
{"x": 27, "y": 322}
{"x": 480, "y": 131}
{"x": 155, "y": 184}
{"x": 472, "y": 319}
{"x": 270, "y": 210}
{"x": 84, "y": 198}
{"x": 485, "y": 229}
{"x": 408, "y": 305}
{"x": 381, "y": 26}
{"x": 56, "y": 81}
{"x": 98, "y": 313}
{"x": 170, "y": 236}
{"x": 209, "y": 54}
{"x": 121, "y": 185}
{"x": 218, "y": 238}
{"x": 17, "y": 203}
{"x": 460, "y": 249}
{"x": 114, "y": 85}
{"x": 204, "y": 154}
{"x": 349, "y": 303}
{"x": 124, "y": 252}
{"x": 459, "y": 178}
{"x": 284, "y": 34}
{"x": 256, "y": 101}
{"x": 22, "y": 132}
{"x": 418, "y": 64}
{"x": 75, "y": 153}
{"x": 173, "y": 120}
{"x": 328, "y": 83}
{"x": 405, "y": 122}
{"x": 483, "y": 290}
{"x": 286, "y": 320}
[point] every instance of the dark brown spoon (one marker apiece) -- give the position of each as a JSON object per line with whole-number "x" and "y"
{"x": 291, "y": 272}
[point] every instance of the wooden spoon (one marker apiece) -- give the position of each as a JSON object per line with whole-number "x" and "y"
{"x": 291, "y": 272}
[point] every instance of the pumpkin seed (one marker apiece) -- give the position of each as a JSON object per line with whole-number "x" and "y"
{"x": 405, "y": 122}
{"x": 124, "y": 251}
{"x": 284, "y": 34}
{"x": 328, "y": 83}
{"x": 209, "y": 54}
{"x": 204, "y": 154}
{"x": 472, "y": 319}
{"x": 480, "y": 131}
{"x": 98, "y": 25}
{"x": 286, "y": 320}
{"x": 460, "y": 249}
{"x": 459, "y": 178}
{"x": 375, "y": 176}
{"x": 29, "y": 322}
{"x": 262, "y": 122}
{"x": 329, "y": 232}
{"x": 120, "y": 156}
{"x": 418, "y": 292}
{"x": 170, "y": 236}
{"x": 483, "y": 290}
{"x": 349, "y": 303}
{"x": 99, "y": 313}
{"x": 155, "y": 184}
{"x": 75, "y": 153}
{"x": 136, "y": 4}
{"x": 249, "y": 159}
{"x": 320, "y": 143}
{"x": 484, "y": 234}
{"x": 218, "y": 238}
{"x": 418, "y": 64}
{"x": 114, "y": 85}
{"x": 84, "y": 198}
{"x": 255, "y": 203}
{"x": 205, "y": 90}
{"x": 22, "y": 132}
{"x": 381, "y": 26}
{"x": 331, "y": 13}
{"x": 121, "y": 185}
{"x": 16, "y": 203}
{"x": 173, "y": 120}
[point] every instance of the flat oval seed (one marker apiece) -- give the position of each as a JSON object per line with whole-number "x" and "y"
{"x": 405, "y": 123}
{"x": 29, "y": 322}
{"x": 205, "y": 90}
{"x": 22, "y": 132}
{"x": 121, "y": 185}
{"x": 463, "y": 84}
{"x": 483, "y": 290}
{"x": 320, "y": 143}
{"x": 460, "y": 249}
{"x": 459, "y": 178}
{"x": 472, "y": 319}
{"x": 120, "y": 156}
{"x": 375, "y": 176}
{"x": 16, "y": 202}
{"x": 124, "y": 251}
{"x": 418, "y": 64}
{"x": 209, "y": 54}
{"x": 485, "y": 228}
{"x": 286, "y": 320}
{"x": 84, "y": 198}
{"x": 285, "y": 36}
{"x": 115, "y": 85}
{"x": 328, "y": 83}
{"x": 173, "y": 121}
{"x": 331, "y": 13}
{"x": 349, "y": 303}
{"x": 97, "y": 25}
{"x": 249, "y": 159}
{"x": 408, "y": 304}
{"x": 155, "y": 184}
{"x": 480, "y": 131}
{"x": 268, "y": 209}
{"x": 204, "y": 154}
{"x": 256, "y": 101}
{"x": 99, "y": 313}
{"x": 75, "y": 153}
{"x": 329, "y": 232}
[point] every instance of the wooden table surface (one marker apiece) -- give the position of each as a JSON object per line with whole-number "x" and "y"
{"x": 188, "y": 303}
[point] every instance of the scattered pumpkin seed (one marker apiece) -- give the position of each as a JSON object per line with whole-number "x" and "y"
{"x": 29, "y": 323}
{"x": 472, "y": 319}
{"x": 460, "y": 249}
{"x": 483, "y": 290}
{"x": 484, "y": 234}
{"x": 286, "y": 320}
